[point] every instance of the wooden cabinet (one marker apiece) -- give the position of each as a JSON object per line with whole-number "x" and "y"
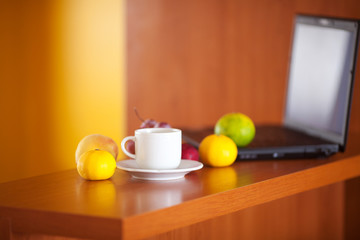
{"x": 303, "y": 198}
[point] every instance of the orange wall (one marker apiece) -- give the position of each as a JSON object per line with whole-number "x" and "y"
{"x": 62, "y": 78}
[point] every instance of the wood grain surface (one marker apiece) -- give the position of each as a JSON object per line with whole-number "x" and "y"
{"x": 63, "y": 204}
{"x": 190, "y": 62}
{"x": 268, "y": 219}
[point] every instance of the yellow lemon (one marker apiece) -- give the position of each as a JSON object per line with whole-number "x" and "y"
{"x": 218, "y": 151}
{"x": 96, "y": 165}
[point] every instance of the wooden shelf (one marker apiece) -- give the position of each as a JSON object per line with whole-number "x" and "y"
{"x": 64, "y": 204}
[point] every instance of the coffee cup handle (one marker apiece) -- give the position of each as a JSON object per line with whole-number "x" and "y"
{"x": 123, "y": 142}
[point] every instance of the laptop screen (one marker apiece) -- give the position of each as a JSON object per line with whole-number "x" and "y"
{"x": 320, "y": 76}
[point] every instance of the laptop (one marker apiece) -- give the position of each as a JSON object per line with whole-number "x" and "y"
{"x": 319, "y": 93}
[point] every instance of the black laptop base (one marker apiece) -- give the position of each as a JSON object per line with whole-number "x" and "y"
{"x": 288, "y": 144}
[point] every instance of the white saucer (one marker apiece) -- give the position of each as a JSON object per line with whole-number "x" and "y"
{"x": 185, "y": 167}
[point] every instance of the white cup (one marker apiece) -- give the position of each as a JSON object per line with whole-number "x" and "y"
{"x": 155, "y": 148}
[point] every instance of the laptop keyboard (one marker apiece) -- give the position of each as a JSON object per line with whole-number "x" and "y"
{"x": 273, "y": 136}
{"x": 266, "y": 136}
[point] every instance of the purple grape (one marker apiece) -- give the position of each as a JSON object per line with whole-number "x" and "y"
{"x": 148, "y": 123}
{"x": 130, "y": 146}
{"x": 151, "y": 123}
{"x": 162, "y": 125}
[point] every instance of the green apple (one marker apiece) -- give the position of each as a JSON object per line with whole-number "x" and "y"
{"x": 237, "y": 126}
